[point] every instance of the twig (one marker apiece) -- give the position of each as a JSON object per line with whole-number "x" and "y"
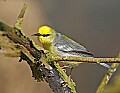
{"x": 77, "y": 60}
{"x": 20, "y": 17}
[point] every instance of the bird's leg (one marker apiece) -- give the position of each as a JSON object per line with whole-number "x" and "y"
{"x": 71, "y": 69}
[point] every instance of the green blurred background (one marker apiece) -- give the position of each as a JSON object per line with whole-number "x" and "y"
{"x": 94, "y": 23}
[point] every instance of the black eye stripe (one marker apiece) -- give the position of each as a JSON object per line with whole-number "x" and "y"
{"x": 45, "y": 35}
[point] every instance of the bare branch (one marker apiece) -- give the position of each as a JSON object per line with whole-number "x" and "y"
{"x": 86, "y": 59}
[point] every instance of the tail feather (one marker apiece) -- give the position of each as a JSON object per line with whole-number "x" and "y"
{"x": 105, "y": 65}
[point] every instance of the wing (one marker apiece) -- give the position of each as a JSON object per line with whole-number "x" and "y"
{"x": 68, "y": 47}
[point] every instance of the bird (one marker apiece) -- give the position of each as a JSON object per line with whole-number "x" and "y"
{"x": 61, "y": 45}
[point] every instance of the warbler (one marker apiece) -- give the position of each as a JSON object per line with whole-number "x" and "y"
{"x": 61, "y": 45}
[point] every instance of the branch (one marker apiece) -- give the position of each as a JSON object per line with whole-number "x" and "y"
{"x": 77, "y": 60}
{"x": 34, "y": 55}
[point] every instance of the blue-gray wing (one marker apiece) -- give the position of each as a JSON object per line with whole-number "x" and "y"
{"x": 68, "y": 47}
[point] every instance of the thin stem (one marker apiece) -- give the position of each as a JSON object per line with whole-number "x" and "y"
{"x": 87, "y": 59}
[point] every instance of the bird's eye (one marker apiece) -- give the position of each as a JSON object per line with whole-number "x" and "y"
{"x": 45, "y": 35}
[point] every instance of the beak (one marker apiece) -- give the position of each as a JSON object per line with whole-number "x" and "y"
{"x": 37, "y": 34}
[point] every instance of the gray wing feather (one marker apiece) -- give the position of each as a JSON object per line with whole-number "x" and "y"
{"x": 69, "y": 47}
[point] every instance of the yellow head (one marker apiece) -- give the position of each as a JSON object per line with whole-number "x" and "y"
{"x": 45, "y": 34}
